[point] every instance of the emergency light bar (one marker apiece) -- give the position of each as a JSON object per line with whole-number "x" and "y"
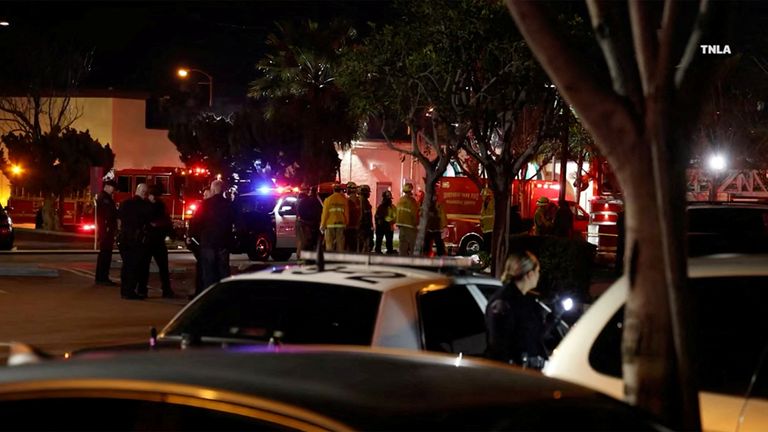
{"x": 439, "y": 262}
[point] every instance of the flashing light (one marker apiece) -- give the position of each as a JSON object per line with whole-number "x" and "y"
{"x": 87, "y": 227}
{"x": 264, "y": 189}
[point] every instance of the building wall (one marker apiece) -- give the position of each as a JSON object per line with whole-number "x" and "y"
{"x": 119, "y": 122}
{"x": 372, "y": 162}
{"x": 133, "y": 144}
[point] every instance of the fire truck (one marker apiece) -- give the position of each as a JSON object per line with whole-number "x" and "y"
{"x": 604, "y": 208}
{"x": 461, "y": 200}
{"x": 181, "y": 194}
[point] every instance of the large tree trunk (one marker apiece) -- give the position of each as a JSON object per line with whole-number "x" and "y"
{"x": 500, "y": 242}
{"x": 49, "y": 213}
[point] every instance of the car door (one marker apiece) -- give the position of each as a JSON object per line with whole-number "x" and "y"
{"x": 285, "y": 222}
{"x": 451, "y": 320}
{"x": 754, "y": 413}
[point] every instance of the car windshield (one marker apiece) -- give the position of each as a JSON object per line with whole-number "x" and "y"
{"x": 305, "y": 313}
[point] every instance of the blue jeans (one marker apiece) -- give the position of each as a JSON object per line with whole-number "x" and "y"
{"x": 214, "y": 263}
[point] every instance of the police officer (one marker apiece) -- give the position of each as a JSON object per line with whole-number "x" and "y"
{"x": 514, "y": 320}
{"x": 407, "y": 220}
{"x": 353, "y": 223}
{"x": 436, "y": 222}
{"x": 334, "y": 219}
{"x": 216, "y": 221}
{"x": 193, "y": 243}
{"x": 106, "y": 228}
{"x": 385, "y": 220}
{"x": 486, "y": 218}
{"x": 160, "y": 226}
{"x": 135, "y": 214}
{"x": 365, "y": 230}
{"x": 309, "y": 211}
{"x": 300, "y": 237}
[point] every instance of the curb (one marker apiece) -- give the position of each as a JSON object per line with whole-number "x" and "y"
{"x": 27, "y": 271}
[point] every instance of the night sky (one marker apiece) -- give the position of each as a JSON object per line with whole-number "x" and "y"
{"x": 139, "y": 45}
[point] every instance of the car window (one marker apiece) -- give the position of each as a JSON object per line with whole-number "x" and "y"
{"x": 305, "y": 312}
{"x": 255, "y": 203}
{"x": 452, "y": 321}
{"x": 730, "y": 330}
{"x": 488, "y": 290}
{"x": 728, "y": 220}
{"x": 288, "y": 207}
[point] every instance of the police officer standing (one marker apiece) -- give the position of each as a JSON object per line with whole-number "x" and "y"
{"x": 160, "y": 226}
{"x": 365, "y": 230}
{"x": 385, "y": 220}
{"x": 335, "y": 219}
{"x": 216, "y": 220}
{"x": 106, "y": 228}
{"x": 351, "y": 231}
{"x": 407, "y": 220}
{"x": 309, "y": 211}
{"x": 135, "y": 214}
{"x": 514, "y": 320}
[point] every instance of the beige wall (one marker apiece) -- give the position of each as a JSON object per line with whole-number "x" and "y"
{"x": 119, "y": 122}
{"x": 133, "y": 144}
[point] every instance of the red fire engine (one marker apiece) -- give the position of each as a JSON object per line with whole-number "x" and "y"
{"x": 181, "y": 193}
{"x": 461, "y": 200}
{"x": 604, "y": 208}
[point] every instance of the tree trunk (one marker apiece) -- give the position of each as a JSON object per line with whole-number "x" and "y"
{"x": 500, "y": 242}
{"x": 429, "y": 192}
{"x": 579, "y": 167}
{"x": 49, "y": 213}
{"x": 60, "y": 216}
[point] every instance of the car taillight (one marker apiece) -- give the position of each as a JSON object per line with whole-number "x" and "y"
{"x": 87, "y": 227}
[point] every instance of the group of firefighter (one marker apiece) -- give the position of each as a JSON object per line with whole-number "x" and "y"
{"x": 347, "y": 221}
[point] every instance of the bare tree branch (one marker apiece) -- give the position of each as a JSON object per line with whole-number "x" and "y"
{"x": 693, "y": 43}
{"x": 603, "y": 113}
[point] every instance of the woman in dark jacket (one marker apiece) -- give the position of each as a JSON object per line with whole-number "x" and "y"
{"x": 514, "y": 320}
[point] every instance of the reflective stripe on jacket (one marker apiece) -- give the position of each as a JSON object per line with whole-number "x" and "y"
{"x": 407, "y": 212}
{"x": 335, "y": 212}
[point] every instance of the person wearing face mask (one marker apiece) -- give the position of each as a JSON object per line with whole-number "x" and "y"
{"x": 515, "y": 322}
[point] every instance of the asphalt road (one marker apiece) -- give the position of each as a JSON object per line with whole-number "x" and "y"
{"x": 60, "y": 309}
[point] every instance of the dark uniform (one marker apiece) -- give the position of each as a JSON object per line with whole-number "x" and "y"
{"x": 309, "y": 211}
{"x": 516, "y": 326}
{"x": 160, "y": 226}
{"x": 106, "y": 225}
{"x": 365, "y": 230}
{"x": 216, "y": 221}
{"x": 385, "y": 219}
{"x": 135, "y": 215}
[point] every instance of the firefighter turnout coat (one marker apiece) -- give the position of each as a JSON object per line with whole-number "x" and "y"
{"x": 335, "y": 212}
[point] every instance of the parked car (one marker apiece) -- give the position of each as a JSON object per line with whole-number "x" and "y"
{"x": 728, "y": 294}
{"x": 265, "y": 224}
{"x": 302, "y": 388}
{"x": 727, "y": 227}
{"x": 6, "y": 230}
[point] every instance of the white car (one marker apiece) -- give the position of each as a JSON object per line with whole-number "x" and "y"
{"x": 729, "y": 294}
{"x": 349, "y": 304}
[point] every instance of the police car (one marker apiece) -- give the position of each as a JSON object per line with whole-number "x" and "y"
{"x": 343, "y": 303}
{"x": 265, "y": 223}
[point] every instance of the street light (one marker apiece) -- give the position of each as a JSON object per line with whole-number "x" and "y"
{"x": 184, "y": 72}
{"x": 717, "y": 164}
{"x": 16, "y": 170}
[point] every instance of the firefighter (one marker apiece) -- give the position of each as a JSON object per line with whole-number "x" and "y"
{"x": 385, "y": 220}
{"x": 365, "y": 229}
{"x": 106, "y": 225}
{"x": 486, "y": 218}
{"x": 436, "y": 223}
{"x": 334, "y": 219}
{"x": 351, "y": 231}
{"x": 407, "y": 220}
{"x": 542, "y": 219}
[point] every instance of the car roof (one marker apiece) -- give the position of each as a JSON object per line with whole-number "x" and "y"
{"x": 362, "y": 388}
{"x": 728, "y": 265}
{"x": 374, "y": 277}
{"x": 726, "y": 205}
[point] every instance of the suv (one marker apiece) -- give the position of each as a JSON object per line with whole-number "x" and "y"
{"x": 728, "y": 296}
{"x": 6, "y": 230}
{"x": 265, "y": 225}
